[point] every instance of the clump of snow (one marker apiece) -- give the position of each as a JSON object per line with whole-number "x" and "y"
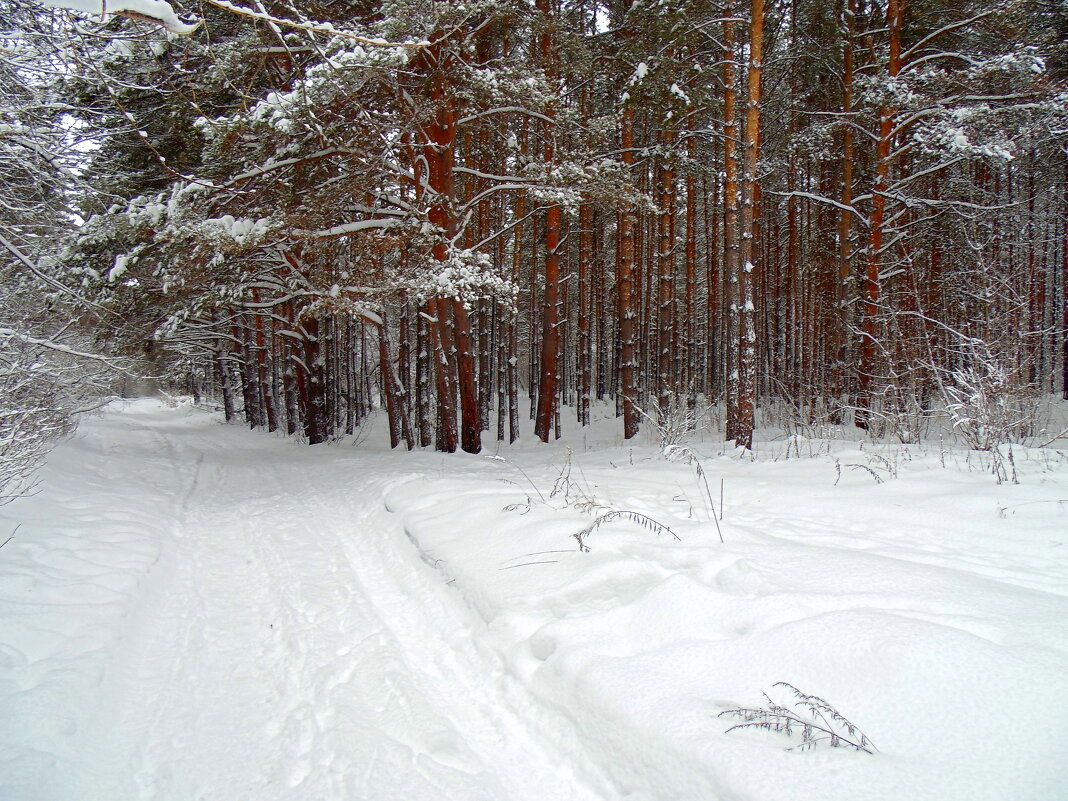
{"x": 465, "y": 275}
{"x": 238, "y": 229}
{"x": 118, "y": 270}
{"x": 158, "y": 10}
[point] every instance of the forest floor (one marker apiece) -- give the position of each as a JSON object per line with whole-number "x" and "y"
{"x": 190, "y": 610}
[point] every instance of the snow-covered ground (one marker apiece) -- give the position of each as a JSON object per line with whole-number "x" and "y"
{"x": 190, "y": 610}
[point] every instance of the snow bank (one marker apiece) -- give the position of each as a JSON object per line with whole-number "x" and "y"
{"x": 928, "y": 609}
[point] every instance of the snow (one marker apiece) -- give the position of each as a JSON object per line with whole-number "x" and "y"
{"x": 193, "y": 610}
{"x": 677, "y": 91}
{"x": 119, "y": 269}
{"x": 158, "y": 10}
{"x": 239, "y": 229}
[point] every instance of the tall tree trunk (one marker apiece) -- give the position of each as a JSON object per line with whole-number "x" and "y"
{"x": 625, "y": 289}
{"x": 393, "y": 393}
{"x": 512, "y": 368}
{"x": 740, "y": 426}
{"x": 425, "y": 353}
{"x": 470, "y": 420}
{"x": 666, "y": 278}
{"x": 314, "y": 412}
{"x": 585, "y": 355}
{"x": 845, "y": 217}
{"x": 250, "y": 383}
{"x": 222, "y": 373}
{"x": 731, "y": 253}
{"x": 690, "y": 267}
{"x": 1064, "y": 284}
{"x": 439, "y": 157}
{"x": 447, "y": 438}
{"x": 550, "y": 315}
{"x": 866, "y": 366}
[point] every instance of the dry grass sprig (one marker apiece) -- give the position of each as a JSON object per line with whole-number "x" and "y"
{"x": 809, "y": 717}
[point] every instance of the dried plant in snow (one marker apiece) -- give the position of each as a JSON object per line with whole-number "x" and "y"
{"x": 567, "y": 493}
{"x": 675, "y": 424}
{"x": 621, "y": 514}
{"x": 808, "y": 717}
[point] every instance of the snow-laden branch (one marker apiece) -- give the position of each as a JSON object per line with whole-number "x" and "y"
{"x": 59, "y": 347}
{"x": 325, "y": 28}
{"x": 490, "y": 176}
{"x": 923, "y": 173}
{"x": 486, "y": 193}
{"x": 346, "y": 228}
{"x": 23, "y": 259}
{"x": 953, "y": 26}
{"x": 282, "y": 164}
{"x": 159, "y": 12}
{"x": 505, "y": 110}
{"x": 824, "y": 199}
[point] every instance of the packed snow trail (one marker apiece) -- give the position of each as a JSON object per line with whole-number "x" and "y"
{"x": 288, "y": 641}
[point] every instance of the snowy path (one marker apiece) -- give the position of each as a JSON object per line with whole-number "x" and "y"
{"x": 289, "y": 642}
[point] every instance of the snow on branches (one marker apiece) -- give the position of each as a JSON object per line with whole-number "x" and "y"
{"x": 465, "y": 275}
{"x": 158, "y": 12}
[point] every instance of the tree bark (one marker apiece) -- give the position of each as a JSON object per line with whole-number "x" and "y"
{"x": 625, "y": 288}
{"x": 866, "y": 365}
{"x": 550, "y": 315}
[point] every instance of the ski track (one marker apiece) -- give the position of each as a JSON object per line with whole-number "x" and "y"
{"x": 290, "y": 643}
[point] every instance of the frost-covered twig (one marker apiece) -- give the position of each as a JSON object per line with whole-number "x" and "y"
{"x": 635, "y": 517}
{"x": 807, "y": 716}
{"x": 876, "y": 476}
{"x": 1054, "y": 438}
{"x": 498, "y": 458}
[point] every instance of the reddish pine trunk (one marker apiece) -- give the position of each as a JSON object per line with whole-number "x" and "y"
{"x": 625, "y": 291}
{"x": 1064, "y": 286}
{"x": 666, "y": 277}
{"x": 585, "y": 355}
{"x": 713, "y": 300}
{"x": 690, "y": 259}
{"x": 439, "y": 155}
{"x": 866, "y": 366}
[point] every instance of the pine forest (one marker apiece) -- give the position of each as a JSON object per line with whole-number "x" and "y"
{"x": 850, "y": 212}
{"x": 533, "y": 400}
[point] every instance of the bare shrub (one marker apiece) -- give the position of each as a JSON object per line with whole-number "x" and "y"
{"x": 676, "y": 424}
{"x": 48, "y": 375}
{"x": 990, "y": 403}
